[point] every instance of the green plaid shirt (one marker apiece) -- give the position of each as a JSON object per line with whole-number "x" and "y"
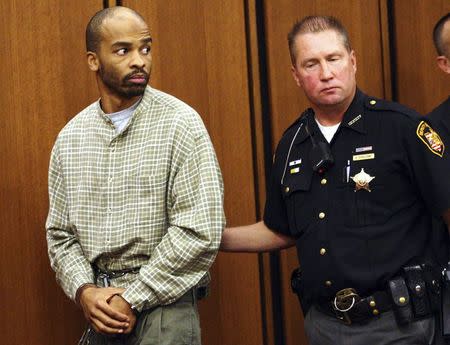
{"x": 150, "y": 197}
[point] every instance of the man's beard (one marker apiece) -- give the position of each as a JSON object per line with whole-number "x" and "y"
{"x": 124, "y": 88}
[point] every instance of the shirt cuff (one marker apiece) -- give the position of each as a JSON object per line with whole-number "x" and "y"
{"x": 77, "y": 282}
{"x": 140, "y": 296}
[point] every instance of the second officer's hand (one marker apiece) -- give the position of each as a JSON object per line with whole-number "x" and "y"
{"x": 119, "y": 304}
{"x": 103, "y": 318}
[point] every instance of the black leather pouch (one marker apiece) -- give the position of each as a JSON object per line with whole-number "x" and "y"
{"x": 418, "y": 291}
{"x": 432, "y": 276}
{"x": 401, "y": 301}
{"x": 297, "y": 288}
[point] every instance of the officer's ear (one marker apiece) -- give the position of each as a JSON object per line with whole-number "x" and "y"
{"x": 296, "y": 76}
{"x": 353, "y": 59}
{"x": 443, "y": 63}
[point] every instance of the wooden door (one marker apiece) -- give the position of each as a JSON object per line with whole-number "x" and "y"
{"x": 44, "y": 82}
{"x": 419, "y": 83}
{"x": 200, "y": 56}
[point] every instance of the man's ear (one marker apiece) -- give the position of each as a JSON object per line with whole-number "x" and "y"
{"x": 353, "y": 59}
{"x": 92, "y": 61}
{"x": 296, "y": 76}
{"x": 443, "y": 63}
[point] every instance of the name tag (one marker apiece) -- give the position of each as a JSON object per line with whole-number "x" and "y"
{"x": 363, "y": 149}
{"x": 297, "y": 162}
{"x": 364, "y": 157}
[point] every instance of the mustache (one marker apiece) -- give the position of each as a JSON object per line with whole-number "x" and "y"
{"x": 134, "y": 73}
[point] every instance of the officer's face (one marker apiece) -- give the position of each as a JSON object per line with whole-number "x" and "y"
{"x": 325, "y": 69}
{"x": 444, "y": 60}
{"x": 123, "y": 61}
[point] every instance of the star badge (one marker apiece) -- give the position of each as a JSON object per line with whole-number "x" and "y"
{"x": 362, "y": 180}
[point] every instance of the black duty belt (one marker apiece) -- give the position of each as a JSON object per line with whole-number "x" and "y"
{"x": 351, "y": 308}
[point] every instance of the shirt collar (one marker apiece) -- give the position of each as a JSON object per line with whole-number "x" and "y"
{"x": 354, "y": 116}
{"x": 353, "y": 119}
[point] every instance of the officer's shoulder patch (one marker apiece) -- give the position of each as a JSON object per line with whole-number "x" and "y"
{"x": 430, "y": 138}
{"x": 377, "y": 104}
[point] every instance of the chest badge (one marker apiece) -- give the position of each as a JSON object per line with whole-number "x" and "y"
{"x": 362, "y": 180}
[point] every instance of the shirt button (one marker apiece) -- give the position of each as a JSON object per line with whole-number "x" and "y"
{"x": 323, "y": 181}
{"x": 373, "y": 102}
{"x": 286, "y": 189}
{"x": 375, "y": 312}
{"x": 328, "y": 283}
{"x": 372, "y": 304}
{"x": 321, "y": 215}
{"x": 322, "y": 251}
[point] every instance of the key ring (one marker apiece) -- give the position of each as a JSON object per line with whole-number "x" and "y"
{"x": 344, "y": 310}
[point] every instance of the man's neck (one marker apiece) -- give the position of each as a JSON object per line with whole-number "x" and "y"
{"x": 329, "y": 117}
{"x": 112, "y": 103}
{"x": 333, "y": 114}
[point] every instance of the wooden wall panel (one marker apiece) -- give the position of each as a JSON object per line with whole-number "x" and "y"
{"x": 44, "y": 82}
{"x": 364, "y": 22}
{"x": 200, "y": 56}
{"x": 420, "y": 83}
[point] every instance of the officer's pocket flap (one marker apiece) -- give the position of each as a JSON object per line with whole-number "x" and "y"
{"x": 299, "y": 183}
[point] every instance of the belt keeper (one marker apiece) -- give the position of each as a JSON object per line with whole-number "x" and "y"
{"x": 373, "y": 306}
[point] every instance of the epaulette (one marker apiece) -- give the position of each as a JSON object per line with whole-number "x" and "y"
{"x": 297, "y": 121}
{"x": 376, "y": 104}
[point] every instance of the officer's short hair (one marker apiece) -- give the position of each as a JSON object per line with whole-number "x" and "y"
{"x": 312, "y": 24}
{"x": 94, "y": 27}
{"x": 438, "y": 40}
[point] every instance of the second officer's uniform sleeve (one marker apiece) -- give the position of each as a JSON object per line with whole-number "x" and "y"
{"x": 430, "y": 164}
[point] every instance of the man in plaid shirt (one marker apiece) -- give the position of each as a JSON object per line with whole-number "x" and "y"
{"x": 136, "y": 198}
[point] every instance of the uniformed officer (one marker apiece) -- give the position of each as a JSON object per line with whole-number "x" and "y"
{"x": 354, "y": 183}
{"x": 441, "y": 37}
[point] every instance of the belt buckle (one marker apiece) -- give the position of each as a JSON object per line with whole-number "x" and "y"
{"x": 343, "y": 302}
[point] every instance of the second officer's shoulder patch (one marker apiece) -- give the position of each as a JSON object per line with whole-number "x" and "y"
{"x": 430, "y": 138}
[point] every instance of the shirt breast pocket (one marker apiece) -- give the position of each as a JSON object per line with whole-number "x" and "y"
{"x": 296, "y": 191}
{"x": 363, "y": 205}
{"x": 146, "y": 199}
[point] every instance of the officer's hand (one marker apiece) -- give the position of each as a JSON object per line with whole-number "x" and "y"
{"x": 119, "y": 304}
{"x": 103, "y": 318}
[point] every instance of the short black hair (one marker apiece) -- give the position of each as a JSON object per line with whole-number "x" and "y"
{"x": 437, "y": 36}
{"x": 313, "y": 24}
{"x": 93, "y": 28}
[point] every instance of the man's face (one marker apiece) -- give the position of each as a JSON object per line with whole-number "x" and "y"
{"x": 124, "y": 58}
{"x": 444, "y": 60}
{"x": 324, "y": 69}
